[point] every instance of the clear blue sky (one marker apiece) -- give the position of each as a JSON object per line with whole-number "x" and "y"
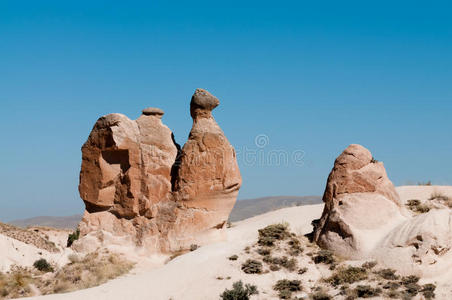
{"x": 311, "y": 75}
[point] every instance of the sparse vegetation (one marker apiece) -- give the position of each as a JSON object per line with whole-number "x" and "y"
{"x": 264, "y": 251}
{"x": 374, "y": 161}
{"x": 428, "y": 291}
{"x": 440, "y": 197}
{"x": 285, "y": 288}
{"x": 239, "y": 292}
{"x": 233, "y": 257}
{"x": 16, "y": 283}
{"x": 252, "y": 266}
{"x": 270, "y": 234}
{"x": 348, "y": 275}
{"x": 366, "y": 291}
{"x": 295, "y": 247}
{"x": 324, "y": 257}
{"x": 285, "y": 262}
{"x": 417, "y": 206}
{"x": 33, "y": 237}
{"x": 412, "y": 279}
{"x": 73, "y": 237}
{"x": 43, "y": 266}
{"x": 388, "y": 274}
{"x": 93, "y": 270}
{"x": 369, "y": 265}
{"x": 320, "y": 296}
{"x": 194, "y": 247}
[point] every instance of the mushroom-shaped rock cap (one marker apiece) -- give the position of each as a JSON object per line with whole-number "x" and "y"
{"x": 152, "y": 111}
{"x": 204, "y": 100}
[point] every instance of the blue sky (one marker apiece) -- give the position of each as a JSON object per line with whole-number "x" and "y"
{"x": 313, "y": 76}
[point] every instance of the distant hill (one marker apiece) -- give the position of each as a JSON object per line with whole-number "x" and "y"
{"x": 69, "y": 222}
{"x": 243, "y": 209}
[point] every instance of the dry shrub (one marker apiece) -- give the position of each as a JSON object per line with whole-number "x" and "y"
{"x": 320, "y": 296}
{"x": 324, "y": 257}
{"x": 239, "y": 292}
{"x": 285, "y": 262}
{"x": 287, "y": 287}
{"x": 417, "y": 206}
{"x": 16, "y": 283}
{"x": 347, "y": 275}
{"x": 272, "y": 233}
{"x": 93, "y": 270}
{"x": 233, "y": 257}
{"x": 388, "y": 274}
{"x": 252, "y": 266}
{"x": 366, "y": 291}
{"x": 443, "y": 199}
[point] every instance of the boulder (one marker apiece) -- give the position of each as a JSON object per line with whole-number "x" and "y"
{"x": 361, "y": 205}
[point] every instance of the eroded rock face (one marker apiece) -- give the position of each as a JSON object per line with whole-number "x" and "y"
{"x": 139, "y": 186}
{"x": 361, "y": 205}
{"x": 208, "y": 175}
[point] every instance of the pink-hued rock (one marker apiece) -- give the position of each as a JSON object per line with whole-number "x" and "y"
{"x": 138, "y": 185}
{"x": 361, "y": 205}
{"x": 208, "y": 175}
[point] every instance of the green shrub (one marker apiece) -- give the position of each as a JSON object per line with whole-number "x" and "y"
{"x": 73, "y": 237}
{"x": 43, "y": 266}
{"x": 347, "y": 275}
{"x": 239, "y": 292}
{"x": 287, "y": 287}
{"x": 324, "y": 257}
{"x": 270, "y": 234}
{"x": 252, "y": 266}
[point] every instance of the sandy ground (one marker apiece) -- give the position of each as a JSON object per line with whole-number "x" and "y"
{"x": 14, "y": 252}
{"x": 195, "y": 275}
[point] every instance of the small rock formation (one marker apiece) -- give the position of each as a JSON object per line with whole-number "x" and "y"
{"x": 361, "y": 205}
{"x": 364, "y": 218}
{"x": 140, "y": 188}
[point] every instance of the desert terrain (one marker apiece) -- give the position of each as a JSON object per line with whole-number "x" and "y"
{"x": 208, "y": 271}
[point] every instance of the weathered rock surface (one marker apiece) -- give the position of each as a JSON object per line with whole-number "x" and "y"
{"x": 361, "y": 205}
{"x": 139, "y": 187}
{"x": 364, "y": 218}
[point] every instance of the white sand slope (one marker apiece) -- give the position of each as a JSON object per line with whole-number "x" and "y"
{"x": 194, "y": 275}
{"x": 14, "y": 252}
